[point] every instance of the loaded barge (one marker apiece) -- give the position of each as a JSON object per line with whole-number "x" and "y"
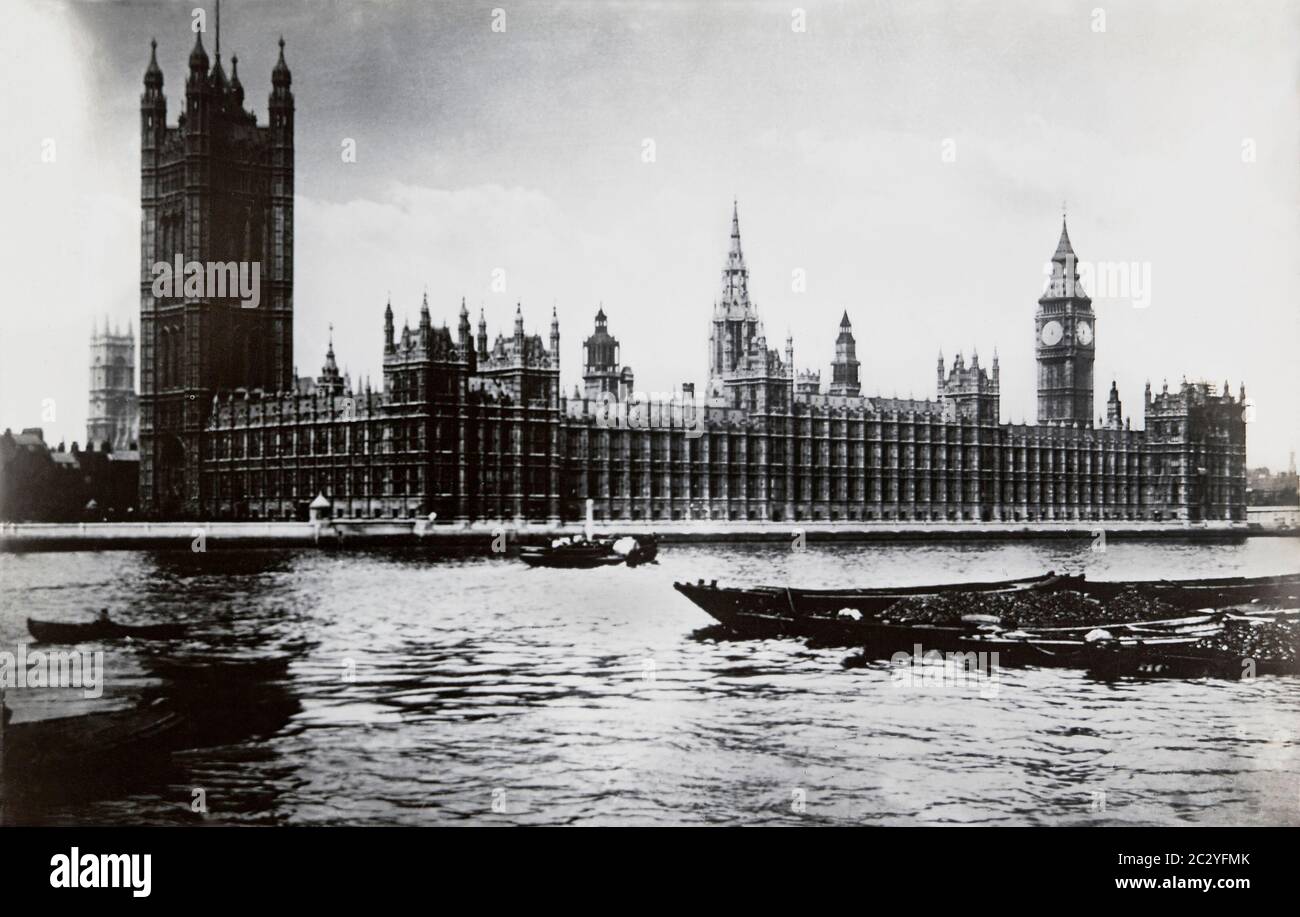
{"x": 1240, "y": 625}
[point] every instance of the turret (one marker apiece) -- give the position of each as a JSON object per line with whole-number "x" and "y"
{"x": 153, "y": 104}
{"x": 600, "y": 369}
{"x": 280, "y": 76}
{"x": 482, "y": 336}
{"x": 153, "y": 130}
{"x": 1114, "y": 410}
{"x": 388, "y": 328}
{"x": 236, "y": 87}
{"x": 519, "y": 330}
{"x": 844, "y": 370}
{"x": 198, "y": 61}
{"x": 330, "y": 381}
{"x": 464, "y": 338}
{"x": 198, "y": 98}
{"x": 280, "y": 269}
{"x": 153, "y": 77}
{"x": 555, "y": 337}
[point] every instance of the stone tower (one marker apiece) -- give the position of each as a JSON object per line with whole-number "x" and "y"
{"x": 216, "y": 189}
{"x": 1065, "y": 343}
{"x": 114, "y": 415}
{"x": 844, "y": 369}
{"x": 970, "y": 393}
{"x": 735, "y": 319}
{"x": 600, "y": 369}
{"x": 1114, "y": 409}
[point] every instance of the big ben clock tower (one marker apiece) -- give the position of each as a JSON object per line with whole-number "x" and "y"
{"x": 1065, "y": 343}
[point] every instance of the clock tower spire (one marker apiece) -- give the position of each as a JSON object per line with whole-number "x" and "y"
{"x": 1065, "y": 345}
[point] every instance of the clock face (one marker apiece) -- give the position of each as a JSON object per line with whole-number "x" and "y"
{"x": 1052, "y": 332}
{"x": 1084, "y": 333}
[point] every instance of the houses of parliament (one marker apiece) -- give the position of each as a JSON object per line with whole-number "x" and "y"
{"x": 477, "y": 427}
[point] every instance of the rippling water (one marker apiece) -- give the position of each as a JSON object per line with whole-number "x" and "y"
{"x": 444, "y": 690}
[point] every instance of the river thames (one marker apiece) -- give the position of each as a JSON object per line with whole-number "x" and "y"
{"x": 475, "y": 690}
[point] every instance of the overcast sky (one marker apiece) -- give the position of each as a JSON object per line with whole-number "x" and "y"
{"x": 525, "y": 150}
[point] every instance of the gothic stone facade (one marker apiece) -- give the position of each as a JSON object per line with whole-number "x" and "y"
{"x": 113, "y": 418}
{"x": 473, "y": 431}
{"x": 479, "y": 433}
{"x": 215, "y": 189}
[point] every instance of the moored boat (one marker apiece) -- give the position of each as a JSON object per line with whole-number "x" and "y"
{"x": 227, "y": 673}
{"x": 585, "y": 553}
{"x": 100, "y": 629}
{"x": 845, "y": 614}
{"x": 833, "y": 613}
{"x": 1220, "y": 644}
{"x": 75, "y": 754}
{"x": 1218, "y": 592}
{"x": 84, "y": 747}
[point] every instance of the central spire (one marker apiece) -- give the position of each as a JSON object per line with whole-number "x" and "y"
{"x": 735, "y": 276}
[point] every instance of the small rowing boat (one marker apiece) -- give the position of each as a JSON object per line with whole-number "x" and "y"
{"x": 101, "y": 629}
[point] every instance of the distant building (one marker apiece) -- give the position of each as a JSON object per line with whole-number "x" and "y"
{"x": 43, "y": 484}
{"x": 1266, "y": 488}
{"x": 114, "y": 415}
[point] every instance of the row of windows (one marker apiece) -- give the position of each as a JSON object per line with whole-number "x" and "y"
{"x": 922, "y": 489}
{"x": 385, "y": 436}
{"x": 840, "y": 455}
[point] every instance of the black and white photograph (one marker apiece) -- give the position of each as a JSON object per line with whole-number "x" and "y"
{"x": 650, "y": 414}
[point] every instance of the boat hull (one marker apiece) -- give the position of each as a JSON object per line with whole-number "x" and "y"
{"x": 572, "y": 561}
{"x": 845, "y": 617}
{"x": 1280, "y": 591}
{"x": 60, "y": 632}
{"x": 836, "y": 617}
{"x": 590, "y": 554}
